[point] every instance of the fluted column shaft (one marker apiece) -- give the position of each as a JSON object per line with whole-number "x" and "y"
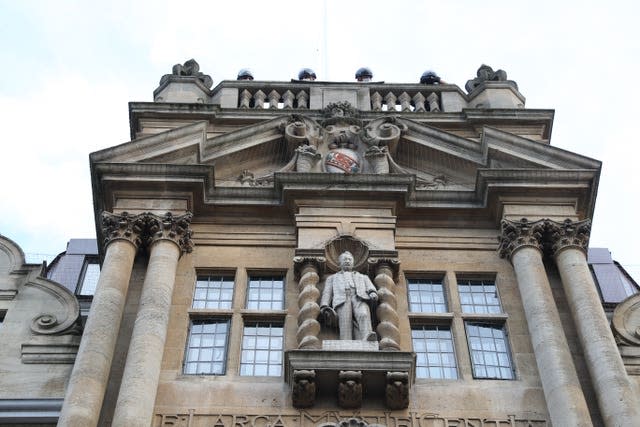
{"x": 141, "y": 375}
{"x": 563, "y": 393}
{"x": 88, "y": 382}
{"x": 616, "y": 398}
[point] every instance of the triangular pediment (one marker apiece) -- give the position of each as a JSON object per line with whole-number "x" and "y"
{"x": 259, "y": 150}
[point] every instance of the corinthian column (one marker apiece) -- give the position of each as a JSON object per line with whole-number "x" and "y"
{"x": 521, "y": 242}
{"x": 617, "y": 401}
{"x": 169, "y": 237}
{"x": 385, "y": 269}
{"x": 85, "y": 392}
{"x": 308, "y": 270}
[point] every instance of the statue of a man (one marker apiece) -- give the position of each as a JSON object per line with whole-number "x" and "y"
{"x": 346, "y": 295}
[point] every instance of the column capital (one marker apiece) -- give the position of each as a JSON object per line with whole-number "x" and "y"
{"x": 568, "y": 234}
{"x": 377, "y": 263}
{"x": 124, "y": 226}
{"x": 518, "y": 234}
{"x": 301, "y": 262}
{"x": 169, "y": 227}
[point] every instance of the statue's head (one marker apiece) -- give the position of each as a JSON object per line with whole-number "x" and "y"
{"x": 345, "y": 260}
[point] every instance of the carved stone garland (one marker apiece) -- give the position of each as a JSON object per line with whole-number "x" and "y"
{"x": 308, "y": 269}
{"x": 388, "y": 321}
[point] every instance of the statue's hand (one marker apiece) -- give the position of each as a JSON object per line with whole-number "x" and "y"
{"x": 373, "y": 296}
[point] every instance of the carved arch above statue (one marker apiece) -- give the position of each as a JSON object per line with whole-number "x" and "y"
{"x": 338, "y": 245}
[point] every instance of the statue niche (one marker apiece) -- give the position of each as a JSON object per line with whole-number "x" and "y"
{"x": 345, "y": 301}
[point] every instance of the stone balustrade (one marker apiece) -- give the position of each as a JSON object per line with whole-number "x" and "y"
{"x": 412, "y": 98}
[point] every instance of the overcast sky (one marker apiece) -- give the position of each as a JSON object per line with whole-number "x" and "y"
{"x": 69, "y": 68}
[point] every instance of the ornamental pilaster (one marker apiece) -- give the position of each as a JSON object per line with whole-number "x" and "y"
{"x": 307, "y": 271}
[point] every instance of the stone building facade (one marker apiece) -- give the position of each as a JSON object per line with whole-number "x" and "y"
{"x": 222, "y": 220}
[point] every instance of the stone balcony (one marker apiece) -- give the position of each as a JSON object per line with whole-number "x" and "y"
{"x": 314, "y": 95}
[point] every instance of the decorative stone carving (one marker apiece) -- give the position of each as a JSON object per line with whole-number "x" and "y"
{"x": 339, "y": 110}
{"x": 274, "y": 99}
{"x": 170, "y": 227}
{"x": 626, "y": 321}
{"x": 122, "y": 226}
{"x": 308, "y": 270}
{"x": 345, "y": 298}
{"x": 547, "y": 235}
{"x": 376, "y": 101}
{"x": 350, "y": 389}
{"x": 385, "y": 131}
{"x": 486, "y": 74}
{"x": 304, "y": 391}
{"x": 301, "y": 130}
{"x": 388, "y": 321}
{"x": 514, "y": 235}
{"x": 48, "y": 323}
{"x": 247, "y": 178}
{"x": 569, "y": 234}
{"x": 351, "y": 422}
{"x": 437, "y": 182}
{"x": 397, "y": 390}
{"x": 189, "y": 68}
{"x": 337, "y": 246}
{"x": 378, "y": 159}
{"x": 307, "y": 156}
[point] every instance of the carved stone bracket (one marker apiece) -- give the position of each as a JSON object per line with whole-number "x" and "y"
{"x": 307, "y": 271}
{"x": 385, "y": 270}
{"x": 546, "y": 235}
{"x": 304, "y": 388}
{"x": 397, "y": 390}
{"x": 350, "y": 389}
{"x": 170, "y": 227}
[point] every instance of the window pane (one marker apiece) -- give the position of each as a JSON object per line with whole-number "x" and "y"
{"x": 209, "y": 292}
{"x": 479, "y": 296}
{"x": 435, "y": 357}
{"x": 426, "y": 296}
{"x": 262, "y": 347}
{"x": 265, "y": 293}
{"x": 207, "y": 345}
{"x": 489, "y": 352}
{"x": 90, "y": 278}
